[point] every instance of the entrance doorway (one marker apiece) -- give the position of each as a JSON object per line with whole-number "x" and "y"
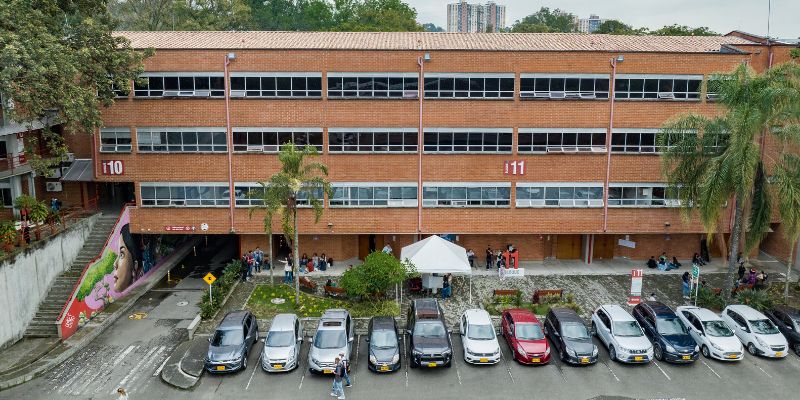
{"x": 603, "y": 247}
{"x": 111, "y": 196}
{"x": 368, "y": 244}
{"x": 568, "y": 247}
{"x": 280, "y": 247}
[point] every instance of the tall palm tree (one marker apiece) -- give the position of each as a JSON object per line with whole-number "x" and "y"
{"x": 297, "y": 179}
{"x": 710, "y": 161}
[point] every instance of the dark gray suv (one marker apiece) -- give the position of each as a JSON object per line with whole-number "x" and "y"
{"x": 429, "y": 338}
{"x": 231, "y": 343}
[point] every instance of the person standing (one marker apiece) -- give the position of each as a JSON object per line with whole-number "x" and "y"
{"x": 345, "y": 367}
{"x": 387, "y": 249}
{"x": 122, "y": 394}
{"x": 315, "y": 261}
{"x": 489, "y": 257}
{"x": 259, "y": 257}
{"x": 338, "y": 390}
{"x": 685, "y": 284}
{"x": 446, "y": 286}
{"x": 471, "y": 258}
{"x": 287, "y": 272}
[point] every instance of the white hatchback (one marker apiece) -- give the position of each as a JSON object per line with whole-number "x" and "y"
{"x": 712, "y": 334}
{"x": 755, "y": 331}
{"x": 621, "y": 334}
{"x": 479, "y": 338}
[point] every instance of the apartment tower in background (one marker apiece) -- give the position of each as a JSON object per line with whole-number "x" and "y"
{"x": 465, "y": 17}
{"x": 588, "y": 25}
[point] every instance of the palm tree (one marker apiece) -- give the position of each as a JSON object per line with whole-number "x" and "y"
{"x": 297, "y": 179}
{"x": 712, "y": 160}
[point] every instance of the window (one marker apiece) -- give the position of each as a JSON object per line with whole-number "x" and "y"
{"x": 185, "y": 194}
{"x": 250, "y": 194}
{"x": 372, "y": 140}
{"x": 646, "y": 141}
{"x": 115, "y": 140}
{"x": 374, "y": 195}
{"x": 559, "y": 194}
{"x": 5, "y": 197}
{"x": 373, "y": 86}
{"x": 269, "y": 140}
{"x": 642, "y": 195}
{"x": 181, "y": 140}
{"x": 560, "y": 140}
{"x": 658, "y": 87}
{"x": 559, "y": 86}
{"x": 468, "y": 140}
{"x": 472, "y": 86}
{"x": 119, "y": 93}
{"x": 276, "y": 84}
{"x": 478, "y": 194}
{"x": 3, "y": 149}
{"x": 180, "y": 84}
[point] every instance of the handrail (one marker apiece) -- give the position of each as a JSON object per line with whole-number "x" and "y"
{"x": 13, "y": 161}
{"x": 86, "y": 267}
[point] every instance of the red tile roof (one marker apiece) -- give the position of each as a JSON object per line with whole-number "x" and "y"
{"x": 429, "y": 41}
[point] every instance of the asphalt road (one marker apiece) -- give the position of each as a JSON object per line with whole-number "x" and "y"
{"x": 751, "y": 378}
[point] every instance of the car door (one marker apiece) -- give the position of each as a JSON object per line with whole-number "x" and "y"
{"x": 298, "y": 336}
{"x": 508, "y": 331}
{"x": 462, "y": 325}
{"x": 554, "y": 331}
{"x": 696, "y": 328}
{"x": 648, "y": 323}
{"x": 248, "y": 334}
{"x": 739, "y": 327}
{"x": 604, "y": 327}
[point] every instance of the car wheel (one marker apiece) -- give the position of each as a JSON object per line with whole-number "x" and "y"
{"x": 612, "y": 353}
{"x": 706, "y": 353}
{"x": 751, "y": 348}
{"x": 797, "y": 349}
{"x": 658, "y": 353}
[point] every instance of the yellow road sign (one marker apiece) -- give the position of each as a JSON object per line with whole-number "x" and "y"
{"x": 209, "y": 278}
{"x": 138, "y": 315}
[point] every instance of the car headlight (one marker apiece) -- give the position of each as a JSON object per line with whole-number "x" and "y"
{"x": 670, "y": 349}
{"x": 595, "y": 352}
{"x": 520, "y": 350}
{"x": 447, "y": 352}
{"x": 624, "y": 350}
{"x": 716, "y": 346}
{"x": 416, "y": 352}
{"x": 373, "y": 359}
{"x": 496, "y": 352}
{"x": 547, "y": 351}
{"x": 571, "y": 352}
{"x": 396, "y": 358}
{"x": 696, "y": 348}
{"x": 762, "y": 342}
{"x": 314, "y": 360}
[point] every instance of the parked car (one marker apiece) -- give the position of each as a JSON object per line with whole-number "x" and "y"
{"x": 711, "y": 333}
{"x": 671, "y": 340}
{"x": 282, "y": 344}
{"x": 231, "y": 343}
{"x": 787, "y": 319}
{"x": 756, "y": 332}
{"x": 478, "y": 338}
{"x": 570, "y": 337}
{"x": 334, "y": 335}
{"x": 525, "y": 337}
{"x": 621, "y": 334}
{"x": 428, "y": 336}
{"x": 384, "y": 345}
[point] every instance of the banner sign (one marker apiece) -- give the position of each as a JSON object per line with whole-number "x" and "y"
{"x": 636, "y": 287}
{"x": 511, "y": 273}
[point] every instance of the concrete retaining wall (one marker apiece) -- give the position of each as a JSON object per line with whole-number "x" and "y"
{"x": 26, "y": 279}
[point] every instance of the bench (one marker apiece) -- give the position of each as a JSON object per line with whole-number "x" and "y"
{"x": 307, "y": 284}
{"x": 334, "y": 291}
{"x": 718, "y": 291}
{"x": 539, "y": 293}
{"x": 505, "y": 292}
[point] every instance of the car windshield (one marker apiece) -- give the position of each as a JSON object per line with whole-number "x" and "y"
{"x": 280, "y": 338}
{"x": 480, "y": 332}
{"x": 227, "y": 337}
{"x": 429, "y": 330}
{"x": 330, "y": 339}
{"x": 670, "y": 326}
{"x": 763, "y": 326}
{"x": 717, "y": 328}
{"x": 384, "y": 339}
{"x": 574, "y": 330}
{"x": 528, "y": 331}
{"x": 627, "y": 328}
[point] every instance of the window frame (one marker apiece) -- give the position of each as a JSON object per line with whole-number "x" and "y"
{"x": 464, "y": 202}
{"x": 219, "y": 201}
{"x": 347, "y": 202}
{"x": 341, "y": 147}
{"x": 142, "y": 132}
{"x": 274, "y": 148}
{"x": 215, "y": 92}
{"x": 546, "y": 132}
{"x": 116, "y": 131}
{"x": 550, "y": 94}
{"x": 293, "y": 93}
{"x": 6, "y": 202}
{"x": 509, "y": 132}
{"x": 547, "y": 201}
{"x": 358, "y": 93}
{"x": 657, "y": 94}
{"x": 640, "y": 202}
{"x": 461, "y": 92}
{"x": 247, "y": 202}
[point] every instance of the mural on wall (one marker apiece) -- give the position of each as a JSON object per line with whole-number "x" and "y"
{"x": 125, "y": 260}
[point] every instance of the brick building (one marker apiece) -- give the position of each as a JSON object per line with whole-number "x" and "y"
{"x": 515, "y": 132}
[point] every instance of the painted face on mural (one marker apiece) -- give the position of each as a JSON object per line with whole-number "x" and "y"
{"x": 127, "y": 265}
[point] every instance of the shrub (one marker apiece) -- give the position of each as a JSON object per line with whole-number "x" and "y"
{"x": 8, "y": 232}
{"x": 758, "y": 299}
{"x": 220, "y": 289}
{"x": 549, "y": 299}
{"x": 379, "y": 273}
{"x": 708, "y": 299}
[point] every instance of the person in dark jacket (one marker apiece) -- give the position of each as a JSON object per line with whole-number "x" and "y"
{"x": 685, "y": 284}
{"x": 651, "y": 263}
{"x": 675, "y": 263}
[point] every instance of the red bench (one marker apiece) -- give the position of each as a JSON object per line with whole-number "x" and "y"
{"x": 334, "y": 291}
{"x": 307, "y": 284}
{"x": 539, "y": 293}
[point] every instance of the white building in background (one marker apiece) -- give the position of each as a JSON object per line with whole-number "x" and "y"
{"x": 589, "y": 25}
{"x": 465, "y": 17}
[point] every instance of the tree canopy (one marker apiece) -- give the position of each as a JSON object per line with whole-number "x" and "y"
{"x": 614, "y": 27}
{"x": 430, "y": 27}
{"x": 546, "y": 20}
{"x": 682, "y": 30}
{"x": 379, "y": 273}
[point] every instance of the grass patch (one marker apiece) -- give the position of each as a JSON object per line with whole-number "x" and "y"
{"x": 260, "y": 304}
{"x": 495, "y": 306}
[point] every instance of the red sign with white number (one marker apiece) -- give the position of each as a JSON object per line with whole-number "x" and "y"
{"x": 514, "y": 168}
{"x": 636, "y": 286}
{"x": 112, "y": 167}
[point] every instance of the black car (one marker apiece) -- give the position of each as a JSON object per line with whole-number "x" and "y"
{"x": 671, "y": 340}
{"x": 231, "y": 343}
{"x": 787, "y": 319}
{"x": 384, "y": 345}
{"x": 429, "y": 338}
{"x": 569, "y": 336}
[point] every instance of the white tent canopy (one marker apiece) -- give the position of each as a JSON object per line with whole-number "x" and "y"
{"x": 434, "y": 255}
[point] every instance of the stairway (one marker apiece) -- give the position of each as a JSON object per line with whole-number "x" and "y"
{"x": 44, "y": 322}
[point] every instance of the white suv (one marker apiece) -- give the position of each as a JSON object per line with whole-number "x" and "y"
{"x": 755, "y": 331}
{"x": 712, "y": 334}
{"x": 621, "y": 334}
{"x": 479, "y": 338}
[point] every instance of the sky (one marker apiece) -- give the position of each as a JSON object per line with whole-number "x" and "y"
{"x": 720, "y": 16}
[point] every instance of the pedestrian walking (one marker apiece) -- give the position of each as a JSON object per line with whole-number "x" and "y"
{"x": 489, "y": 257}
{"x": 122, "y": 394}
{"x": 338, "y": 390}
{"x": 471, "y": 258}
{"x": 685, "y": 284}
{"x": 345, "y": 365}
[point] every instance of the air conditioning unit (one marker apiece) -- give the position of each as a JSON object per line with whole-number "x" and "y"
{"x": 255, "y": 148}
{"x": 171, "y": 93}
{"x": 598, "y": 149}
{"x": 202, "y": 93}
{"x": 186, "y": 93}
{"x": 595, "y": 203}
{"x": 666, "y": 95}
{"x": 572, "y": 95}
{"x": 712, "y": 96}
{"x": 460, "y": 203}
{"x": 410, "y": 94}
{"x": 528, "y": 95}
{"x": 588, "y": 96}
{"x": 238, "y": 93}
{"x": 395, "y": 203}
{"x": 53, "y": 186}
{"x": 557, "y": 95}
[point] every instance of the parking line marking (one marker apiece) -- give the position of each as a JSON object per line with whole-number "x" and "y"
{"x": 453, "y": 362}
{"x": 299, "y": 365}
{"x": 163, "y": 364}
{"x": 610, "y": 370}
{"x": 762, "y": 370}
{"x": 358, "y": 344}
{"x": 711, "y": 369}
{"x": 459, "y": 375}
{"x": 135, "y": 369}
{"x": 560, "y": 372}
{"x": 252, "y": 374}
{"x": 662, "y": 371}
{"x": 408, "y": 359}
{"x": 508, "y": 368}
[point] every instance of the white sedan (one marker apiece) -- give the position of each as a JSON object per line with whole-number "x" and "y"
{"x": 755, "y": 331}
{"x": 712, "y": 334}
{"x": 479, "y": 338}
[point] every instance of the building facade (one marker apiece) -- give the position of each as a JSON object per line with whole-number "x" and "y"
{"x": 509, "y": 143}
{"x": 470, "y": 18}
{"x": 16, "y": 174}
{"x": 588, "y": 25}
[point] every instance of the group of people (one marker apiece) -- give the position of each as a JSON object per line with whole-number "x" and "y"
{"x": 253, "y": 261}
{"x": 341, "y": 378}
{"x": 309, "y": 264}
{"x": 757, "y": 280}
{"x": 663, "y": 263}
{"x": 493, "y": 259}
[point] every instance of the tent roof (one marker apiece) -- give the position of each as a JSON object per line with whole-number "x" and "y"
{"x": 434, "y": 255}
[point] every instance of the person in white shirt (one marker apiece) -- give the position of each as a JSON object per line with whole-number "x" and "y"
{"x": 471, "y": 258}
{"x": 287, "y": 272}
{"x": 387, "y": 249}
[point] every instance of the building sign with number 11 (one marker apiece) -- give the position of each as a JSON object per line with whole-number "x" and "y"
{"x": 514, "y": 168}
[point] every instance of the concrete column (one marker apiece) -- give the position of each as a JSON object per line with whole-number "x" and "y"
{"x": 16, "y": 190}
{"x": 587, "y": 244}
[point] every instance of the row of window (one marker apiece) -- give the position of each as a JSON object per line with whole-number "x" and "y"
{"x": 404, "y": 194}
{"x": 388, "y": 140}
{"x": 406, "y": 85}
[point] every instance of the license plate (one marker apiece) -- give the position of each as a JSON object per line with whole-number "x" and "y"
{"x": 536, "y": 360}
{"x": 384, "y": 367}
{"x": 638, "y": 358}
{"x": 432, "y": 365}
{"x": 278, "y": 366}
{"x": 779, "y": 354}
{"x": 732, "y": 356}
{"x": 585, "y": 360}
{"x": 483, "y": 360}
{"x": 687, "y": 357}
{"x": 327, "y": 371}
{"x": 220, "y": 368}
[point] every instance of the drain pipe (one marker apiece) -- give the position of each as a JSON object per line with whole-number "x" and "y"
{"x": 420, "y": 138}
{"x": 229, "y": 133}
{"x": 611, "y": 95}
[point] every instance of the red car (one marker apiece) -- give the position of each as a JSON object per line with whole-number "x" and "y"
{"x": 525, "y": 337}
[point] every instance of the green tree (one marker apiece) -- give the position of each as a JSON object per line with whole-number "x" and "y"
{"x": 713, "y": 160}
{"x": 298, "y": 178}
{"x": 292, "y": 15}
{"x": 375, "y": 16}
{"x": 429, "y": 27}
{"x": 376, "y": 276}
{"x": 546, "y": 20}
{"x": 683, "y": 30}
{"x": 614, "y": 27}
{"x": 189, "y": 15}
{"x": 144, "y": 15}
{"x": 58, "y": 62}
